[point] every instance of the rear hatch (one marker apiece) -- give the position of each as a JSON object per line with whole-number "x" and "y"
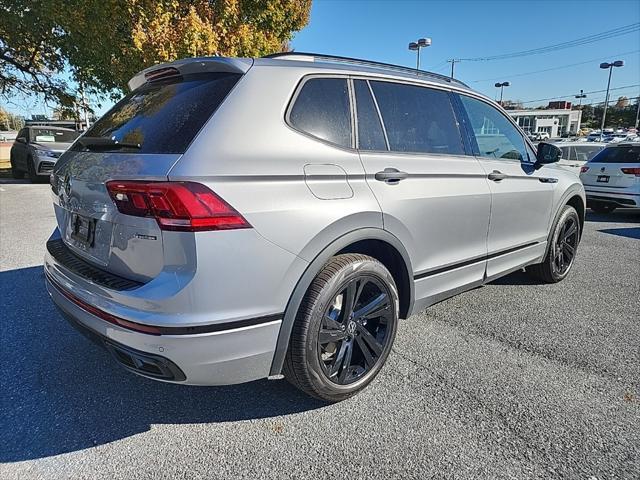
{"x": 614, "y": 167}
{"x": 140, "y": 139}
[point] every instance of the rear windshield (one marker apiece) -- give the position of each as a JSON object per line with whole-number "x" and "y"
{"x": 51, "y": 135}
{"x": 165, "y": 115}
{"x": 622, "y": 154}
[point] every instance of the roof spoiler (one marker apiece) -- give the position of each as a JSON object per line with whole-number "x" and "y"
{"x": 191, "y": 65}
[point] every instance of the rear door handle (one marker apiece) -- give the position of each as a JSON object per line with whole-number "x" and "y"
{"x": 392, "y": 176}
{"x": 496, "y": 176}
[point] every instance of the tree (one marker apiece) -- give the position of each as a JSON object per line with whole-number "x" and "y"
{"x": 54, "y": 47}
{"x": 4, "y": 119}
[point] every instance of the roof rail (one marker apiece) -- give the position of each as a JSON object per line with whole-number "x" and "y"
{"x": 366, "y": 63}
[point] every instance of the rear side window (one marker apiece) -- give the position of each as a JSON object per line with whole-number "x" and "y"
{"x": 585, "y": 153}
{"x": 370, "y": 133}
{"x": 418, "y": 119}
{"x": 322, "y": 109}
{"x": 165, "y": 115}
{"x": 622, "y": 154}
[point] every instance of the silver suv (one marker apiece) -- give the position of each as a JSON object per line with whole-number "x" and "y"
{"x": 235, "y": 219}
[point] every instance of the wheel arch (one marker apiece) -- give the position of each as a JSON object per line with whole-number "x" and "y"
{"x": 377, "y": 243}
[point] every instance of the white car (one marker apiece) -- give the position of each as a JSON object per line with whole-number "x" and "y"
{"x": 576, "y": 154}
{"x": 612, "y": 178}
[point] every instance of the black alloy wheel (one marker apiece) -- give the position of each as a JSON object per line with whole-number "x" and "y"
{"x": 355, "y": 330}
{"x": 344, "y": 328}
{"x": 565, "y": 247}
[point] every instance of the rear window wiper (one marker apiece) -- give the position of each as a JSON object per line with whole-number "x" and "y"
{"x": 105, "y": 143}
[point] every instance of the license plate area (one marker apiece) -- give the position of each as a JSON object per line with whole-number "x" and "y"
{"x": 603, "y": 178}
{"x": 83, "y": 230}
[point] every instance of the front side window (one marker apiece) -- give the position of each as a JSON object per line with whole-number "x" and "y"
{"x": 418, "y": 119}
{"x": 495, "y": 135}
{"x": 322, "y": 109}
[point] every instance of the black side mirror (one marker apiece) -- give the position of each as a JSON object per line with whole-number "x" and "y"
{"x": 547, "y": 153}
{"x": 21, "y": 140}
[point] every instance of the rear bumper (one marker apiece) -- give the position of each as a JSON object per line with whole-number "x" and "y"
{"x": 225, "y": 357}
{"x": 620, "y": 199}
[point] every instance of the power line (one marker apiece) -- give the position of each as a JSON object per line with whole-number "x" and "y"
{"x": 551, "y": 69}
{"x": 572, "y": 94}
{"x": 616, "y": 32}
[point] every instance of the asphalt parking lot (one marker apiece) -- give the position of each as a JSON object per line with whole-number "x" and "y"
{"x": 512, "y": 380}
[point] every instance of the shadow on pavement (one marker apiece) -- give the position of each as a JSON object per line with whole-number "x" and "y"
{"x": 631, "y": 232}
{"x": 517, "y": 278}
{"x": 61, "y": 393}
{"x": 620, "y": 215}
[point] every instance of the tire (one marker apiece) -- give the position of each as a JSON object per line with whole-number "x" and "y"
{"x": 562, "y": 248}
{"x": 332, "y": 354}
{"x": 15, "y": 171}
{"x": 602, "y": 207}
{"x": 31, "y": 170}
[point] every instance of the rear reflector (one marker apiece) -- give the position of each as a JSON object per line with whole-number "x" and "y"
{"x": 584, "y": 169}
{"x": 107, "y": 317}
{"x": 180, "y": 206}
{"x": 631, "y": 171}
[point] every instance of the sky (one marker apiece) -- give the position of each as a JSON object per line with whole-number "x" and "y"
{"x": 382, "y": 29}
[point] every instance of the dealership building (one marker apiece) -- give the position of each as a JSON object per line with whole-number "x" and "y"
{"x": 554, "y": 121}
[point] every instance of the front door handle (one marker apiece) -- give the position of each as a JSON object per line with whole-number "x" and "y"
{"x": 496, "y": 176}
{"x": 392, "y": 176}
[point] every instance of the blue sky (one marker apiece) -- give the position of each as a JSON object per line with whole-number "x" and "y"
{"x": 381, "y": 30}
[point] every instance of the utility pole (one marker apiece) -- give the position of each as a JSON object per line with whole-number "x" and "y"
{"x": 580, "y": 97}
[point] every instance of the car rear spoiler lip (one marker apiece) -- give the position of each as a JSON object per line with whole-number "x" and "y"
{"x": 196, "y": 65}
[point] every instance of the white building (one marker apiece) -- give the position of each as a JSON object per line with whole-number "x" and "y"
{"x": 553, "y": 121}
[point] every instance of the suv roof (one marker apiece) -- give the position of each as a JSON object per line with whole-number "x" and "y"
{"x": 368, "y": 65}
{"x": 314, "y": 61}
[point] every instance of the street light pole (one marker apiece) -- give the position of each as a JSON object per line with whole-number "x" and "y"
{"x": 605, "y": 65}
{"x": 501, "y": 86}
{"x": 417, "y": 46}
{"x": 580, "y": 97}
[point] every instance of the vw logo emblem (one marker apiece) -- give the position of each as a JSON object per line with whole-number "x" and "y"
{"x": 351, "y": 328}
{"x": 602, "y": 169}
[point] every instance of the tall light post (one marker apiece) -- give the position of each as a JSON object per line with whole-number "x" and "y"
{"x": 501, "y": 86}
{"x": 421, "y": 43}
{"x": 605, "y": 65}
{"x": 580, "y": 97}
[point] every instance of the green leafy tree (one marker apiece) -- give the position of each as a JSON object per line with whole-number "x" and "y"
{"x": 49, "y": 47}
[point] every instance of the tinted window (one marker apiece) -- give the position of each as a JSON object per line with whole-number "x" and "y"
{"x": 165, "y": 115}
{"x": 49, "y": 135}
{"x": 322, "y": 110}
{"x": 495, "y": 135}
{"x": 568, "y": 153}
{"x": 584, "y": 153}
{"x": 370, "y": 133}
{"x": 624, "y": 154}
{"x": 417, "y": 119}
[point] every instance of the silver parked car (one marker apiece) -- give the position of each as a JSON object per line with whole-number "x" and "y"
{"x": 235, "y": 219}
{"x": 36, "y": 150}
{"x": 576, "y": 154}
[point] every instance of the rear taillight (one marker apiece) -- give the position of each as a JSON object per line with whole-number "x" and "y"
{"x": 631, "y": 171}
{"x": 182, "y": 206}
{"x": 584, "y": 169}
